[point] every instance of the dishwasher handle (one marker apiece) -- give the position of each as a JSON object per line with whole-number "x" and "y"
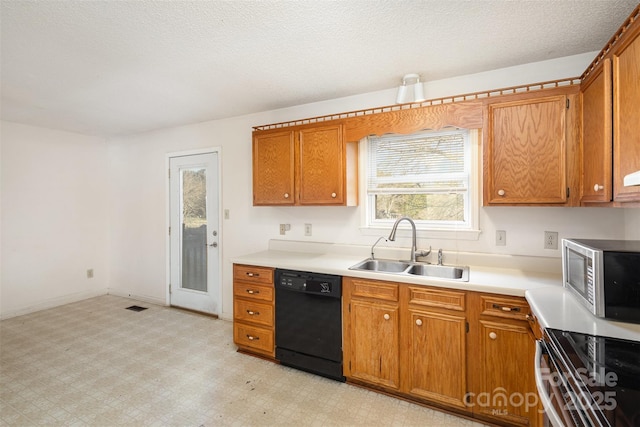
{"x": 549, "y": 409}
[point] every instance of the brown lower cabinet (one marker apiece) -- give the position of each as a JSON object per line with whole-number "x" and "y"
{"x": 253, "y": 309}
{"x": 468, "y": 352}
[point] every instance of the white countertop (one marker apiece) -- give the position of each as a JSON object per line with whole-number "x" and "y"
{"x": 481, "y": 279}
{"x": 558, "y": 309}
{"x": 552, "y": 305}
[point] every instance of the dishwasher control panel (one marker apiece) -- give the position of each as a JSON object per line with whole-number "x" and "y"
{"x": 323, "y": 284}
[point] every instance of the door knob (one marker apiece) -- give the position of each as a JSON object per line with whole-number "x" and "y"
{"x": 214, "y": 244}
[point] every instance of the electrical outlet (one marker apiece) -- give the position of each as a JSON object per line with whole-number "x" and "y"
{"x": 307, "y": 229}
{"x": 501, "y": 238}
{"x": 90, "y": 273}
{"x": 551, "y": 240}
{"x": 284, "y": 228}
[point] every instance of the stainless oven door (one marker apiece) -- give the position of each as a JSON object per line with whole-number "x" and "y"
{"x": 547, "y": 389}
{"x": 561, "y": 405}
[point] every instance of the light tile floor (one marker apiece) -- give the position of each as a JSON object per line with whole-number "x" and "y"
{"x": 93, "y": 363}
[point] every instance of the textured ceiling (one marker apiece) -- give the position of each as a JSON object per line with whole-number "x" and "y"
{"x": 121, "y": 67}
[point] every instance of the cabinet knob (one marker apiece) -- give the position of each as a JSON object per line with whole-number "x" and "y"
{"x": 252, "y": 291}
{"x": 598, "y": 187}
{"x": 252, "y": 338}
{"x": 333, "y": 195}
{"x": 501, "y": 193}
{"x": 419, "y": 322}
{"x": 286, "y": 195}
{"x": 386, "y": 316}
{"x": 253, "y": 313}
{"x": 493, "y": 335}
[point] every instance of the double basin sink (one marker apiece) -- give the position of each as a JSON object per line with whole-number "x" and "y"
{"x": 448, "y": 272}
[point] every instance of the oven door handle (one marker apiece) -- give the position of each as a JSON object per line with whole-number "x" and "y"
{"x": 550, "y": 411}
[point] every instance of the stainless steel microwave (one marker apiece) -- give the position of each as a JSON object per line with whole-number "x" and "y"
{"x": 604, "y": 275}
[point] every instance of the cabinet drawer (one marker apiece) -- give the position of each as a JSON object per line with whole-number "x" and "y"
{"x": 372, "y": 289}
{"x": 511, "y": 308}
{"x": 256, "y": 338}
{"x": 255, "y": 292}
{"x": 249, "y": 273}
{"x": 436, "y": 298}
{"x": 255, "y": 312}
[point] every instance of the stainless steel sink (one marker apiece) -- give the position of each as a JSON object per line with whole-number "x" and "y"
{"x": 384, "y": 265}
{"x": 448, "y": 272}
{"x": 441, "y": 271}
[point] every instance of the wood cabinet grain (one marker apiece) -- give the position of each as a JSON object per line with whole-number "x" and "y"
{"x": 525, "y": 152}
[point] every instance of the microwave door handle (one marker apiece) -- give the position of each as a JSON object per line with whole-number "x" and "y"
{"x": 550, "y": 411}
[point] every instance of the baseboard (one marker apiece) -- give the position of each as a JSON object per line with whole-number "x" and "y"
{"x": 51, "y": 303}
{"x": 144, "y": 298}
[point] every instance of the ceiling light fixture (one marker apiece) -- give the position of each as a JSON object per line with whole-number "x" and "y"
{"x": 411, "y": 90}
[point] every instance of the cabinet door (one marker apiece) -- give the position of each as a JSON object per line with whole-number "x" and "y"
{"x": 506, "y": 390}
{"x": 436, "y": 365}
{"x": 322, "y": 166}
{"x": 597, "y": 185}
{"x": 273, "y": 169}
{"x": 374, "y": 346}
{"x": 626, "y": 113}
{"x": 525, "y": 154}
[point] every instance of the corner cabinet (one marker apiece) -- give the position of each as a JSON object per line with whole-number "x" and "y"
{"x": 253, "y": 310}
{"x": 527, "y": 143}
{"x": 611, "y": 123}
{"x": 597, "y": 182}
{"x": 310, "y": 165}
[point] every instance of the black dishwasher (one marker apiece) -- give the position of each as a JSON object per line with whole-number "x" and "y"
{"x": 309, "y": 322}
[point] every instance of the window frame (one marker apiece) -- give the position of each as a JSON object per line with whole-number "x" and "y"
{"x": 469, "y": 230}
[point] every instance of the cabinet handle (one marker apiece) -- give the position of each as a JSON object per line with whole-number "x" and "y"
{"x": 505, "y": 308}
{"x": 286, "y": 195}
{"x": 333, "y": 195}
{"x": 501, "y": 193}
{"x": 252, "y": 338}
{"x": 598, "y": 187}
{"x": 493, "y": 335}
{"x": 253, "y": 313}
{"x": 386, "y": 316}
{"x": 253, "y": 274}
{"x": 252, "y": 291}
{"x": 419, "y": 322}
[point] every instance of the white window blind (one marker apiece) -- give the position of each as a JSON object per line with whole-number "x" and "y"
{"x": 424, "y": 176}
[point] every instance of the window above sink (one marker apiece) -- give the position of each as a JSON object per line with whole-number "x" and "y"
{"x": 430, "y": 176}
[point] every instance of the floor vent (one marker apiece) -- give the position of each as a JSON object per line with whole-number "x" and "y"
{"x": 136, "y": 308}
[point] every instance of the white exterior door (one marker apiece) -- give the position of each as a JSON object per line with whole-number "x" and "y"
{"x": 195, "y": 232}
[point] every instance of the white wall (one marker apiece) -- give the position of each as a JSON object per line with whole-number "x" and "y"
{"x": 54, "y": 218}
{"x": 71, "y": 202}
{"x": 138, "y": 202}
{"x": 632, "y": 224}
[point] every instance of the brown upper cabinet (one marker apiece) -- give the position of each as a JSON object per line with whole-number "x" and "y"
{"x": 308, "y": 166}
{"x": 610, "y": 91}
{"x": 596, "y": 183}
{"x": 626, "y": 115}
{"x": 528, "y": 150}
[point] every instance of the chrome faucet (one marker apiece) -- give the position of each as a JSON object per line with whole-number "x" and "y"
{"x": 414, "y": 250}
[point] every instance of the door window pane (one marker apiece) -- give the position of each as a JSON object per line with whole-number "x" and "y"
{"x": 194, "y": 229}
